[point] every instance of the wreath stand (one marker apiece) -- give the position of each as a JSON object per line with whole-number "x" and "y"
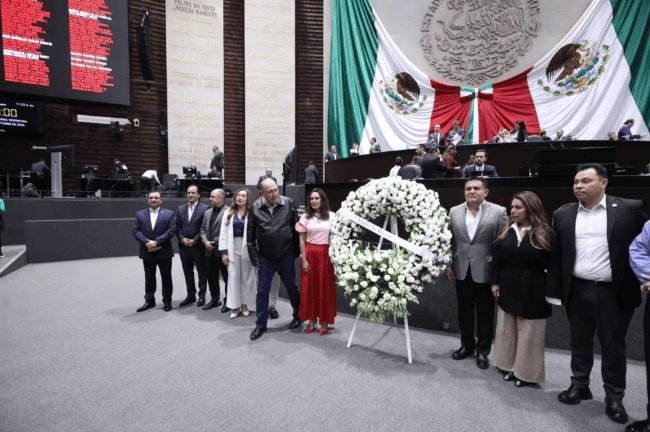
{"x": 394, "y": 231}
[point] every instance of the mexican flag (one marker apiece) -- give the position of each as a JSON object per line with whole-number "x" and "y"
{"x": 593, "y": 80}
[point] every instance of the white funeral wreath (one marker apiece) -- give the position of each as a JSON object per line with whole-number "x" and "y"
{"x": 382, "y": 282}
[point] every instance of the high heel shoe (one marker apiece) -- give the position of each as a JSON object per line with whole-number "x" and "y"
{"x": 510, "y": 376}
{"x": 309, "y": 329}
{"x": 322, "y": 331}
{"x": 244, "y": 312}
{"x": 521, "y": 383}
{"x": 234, "y": 313}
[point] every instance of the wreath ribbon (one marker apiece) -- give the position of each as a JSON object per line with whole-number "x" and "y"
{"x": 418, "y": 250}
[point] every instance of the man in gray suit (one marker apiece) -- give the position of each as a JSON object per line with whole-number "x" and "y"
{"x": 474, "y": 225}
{"x": 209, "y": 234}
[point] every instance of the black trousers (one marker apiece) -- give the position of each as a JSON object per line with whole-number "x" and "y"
{"x": 215, "y": 266}
{"x": 593, "y": 310}
{"x": 477, "y": 297}
{"x": 193, "y": 257}
{"x": 165, "y": 266}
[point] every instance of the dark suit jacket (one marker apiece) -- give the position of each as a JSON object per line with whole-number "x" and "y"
{"x": 330, "y": 156}
{"x": 217, "y": 161}
{"x": 432, "y": 167}
{"x": 488, "y": 170}
{"x": 441, "y": 142}
{"x": 211, "y": 232}
{"x": 311, "y": 174}
{"x": 625, "y": 219}
{"x": 189, "y": 229}
{"x": 162, "y": 233}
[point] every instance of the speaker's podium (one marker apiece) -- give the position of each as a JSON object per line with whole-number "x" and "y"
{"x": 562, "y": 162}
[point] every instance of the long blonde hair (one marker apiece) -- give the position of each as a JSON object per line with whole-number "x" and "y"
{"x": 234, "y": 208}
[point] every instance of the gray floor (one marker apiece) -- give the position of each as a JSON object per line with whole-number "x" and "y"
{"x": 74, "y": 356}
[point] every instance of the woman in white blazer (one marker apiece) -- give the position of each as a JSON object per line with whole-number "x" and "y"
{"x": 242, "y": 276}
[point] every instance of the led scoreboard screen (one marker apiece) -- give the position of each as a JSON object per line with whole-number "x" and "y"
{"x": 73, "y": 49}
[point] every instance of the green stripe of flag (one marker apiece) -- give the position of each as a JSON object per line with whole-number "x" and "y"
{"x": 352, "y": 69}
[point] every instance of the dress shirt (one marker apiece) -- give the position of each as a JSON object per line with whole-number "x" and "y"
{"x": 471, "y": 221}
{"x": 592, "y": 250}
{"x": 640, "y": 254}
{"x": 153, "y": 216}
{"x": 521, "y": 232}
{"x": 190, "y": 211}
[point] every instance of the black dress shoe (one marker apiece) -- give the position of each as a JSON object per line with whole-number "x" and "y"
{"x": 188, "y": 300}
{"x": 615, "y": 410}
{"x": 482, "y": 361}
{"x": 295, "y": 323}
{"x": 145, "y": 306}
{"x": 224, "y": 308}
{"x": 257, "y": 333}
{"x": 273, "y": 314}
{"x": 167, "y": 307}
{"x": 462, "y": 353}
{"x": 201, "y": 301}
{"x": 639, "y": 426}
{"x": 510, "y": 376}
{"x": 574, "y": 395}
{"x": 521, "y": 383}
{"x": 215, "y": 302}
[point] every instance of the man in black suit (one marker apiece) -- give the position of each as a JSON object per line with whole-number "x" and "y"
{"x": 596, "y": 284}
{"x": 437, "y": 137}
{"x": 479, "y": 166}
{"x": 272, "y": 243}
{"x": 189, "y": 217}
{"x": 154, "y": 228}
{"x": 311, "y": 173}
{"x": 210, "y": 229}
{"x": 432, "y": 164}
{"x": 216, "y": 163}
{"x": 332, "y": 155}
{"x": 267, "y": 175}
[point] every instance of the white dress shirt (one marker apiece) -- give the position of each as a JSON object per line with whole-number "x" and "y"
{"x": 592, "y": 250}
{"x": 471, "y": 221}
{"x": 153, "y": 216}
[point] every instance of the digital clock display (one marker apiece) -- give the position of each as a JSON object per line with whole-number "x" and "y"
{"x": 20, "y": 118}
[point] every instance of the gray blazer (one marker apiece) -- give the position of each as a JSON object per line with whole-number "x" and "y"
{"x": 475, "y": 254}
{"x": 211, "y": 233}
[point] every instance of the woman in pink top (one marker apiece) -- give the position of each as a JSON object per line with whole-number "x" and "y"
{"x": 318, "y": 288}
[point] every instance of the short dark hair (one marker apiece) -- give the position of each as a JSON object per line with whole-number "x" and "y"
{"x": 600, "y": 170}
{"x": 398, "y": 161}
{"x": 479, "y": 179}
{"x": 481, "y": 151}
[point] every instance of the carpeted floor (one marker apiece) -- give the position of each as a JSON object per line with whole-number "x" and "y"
{"x": 75, "y": 356}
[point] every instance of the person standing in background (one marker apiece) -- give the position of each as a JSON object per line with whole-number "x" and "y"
{"x": 217, "y": 162}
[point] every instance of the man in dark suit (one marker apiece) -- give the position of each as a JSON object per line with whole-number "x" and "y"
{"x": 475, "y": 225}
{"x": 272, "y": 243}
{"x": 154, "y": 228}
{"x": 625, "y": 132}
{"x": 311, "y": 173}
{"x": 437, "y": 137}
{"x": 267, "y": 175}
{"x": 432, "y": 164}
{"x": 216, "y": 163}
{"x": 596, "y": 284}
{"x": 479, "y": 165}
{"x": 189, "y": 217}
{"x": 210, "y": 229}
{"x": 332, "y": 155}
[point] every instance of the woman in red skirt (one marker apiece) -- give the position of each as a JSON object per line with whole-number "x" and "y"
{"x": 317, "y": 288}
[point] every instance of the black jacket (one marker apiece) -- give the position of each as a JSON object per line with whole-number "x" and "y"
{"x": 432, "y": 167}
{"x": 272, "y": 236}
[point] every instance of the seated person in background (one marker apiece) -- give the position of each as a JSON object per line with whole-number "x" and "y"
{"x": 519, "y": 133}
{"x": 432, "y": 164}
{"x": 502, "y": 136}
{"x": 545, "y": 137}
{"x": 452, "y": 167}
{"x": 120, "y": 169}
{"x": 480, "y": 157}
{"x": 611, "y": 136}
{"x": 396, "y": 167}
{"x": 416, "y": 160}
{"x": 420, "y": 151}
{"x": 40, "y": 168}
{"x": 470, "y": 161}
{"x": 354, "y": 150}
{"x": 625, "y": 132}
{"x": 149, "y": 178}
{"x": 437, "y": 137}
{"x": 374, "y": 146}
{"x": 558, "y": 135}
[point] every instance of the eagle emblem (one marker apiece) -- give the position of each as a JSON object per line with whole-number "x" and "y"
{"x": 401, "y": 94}
{"x": 574, "y": 68}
